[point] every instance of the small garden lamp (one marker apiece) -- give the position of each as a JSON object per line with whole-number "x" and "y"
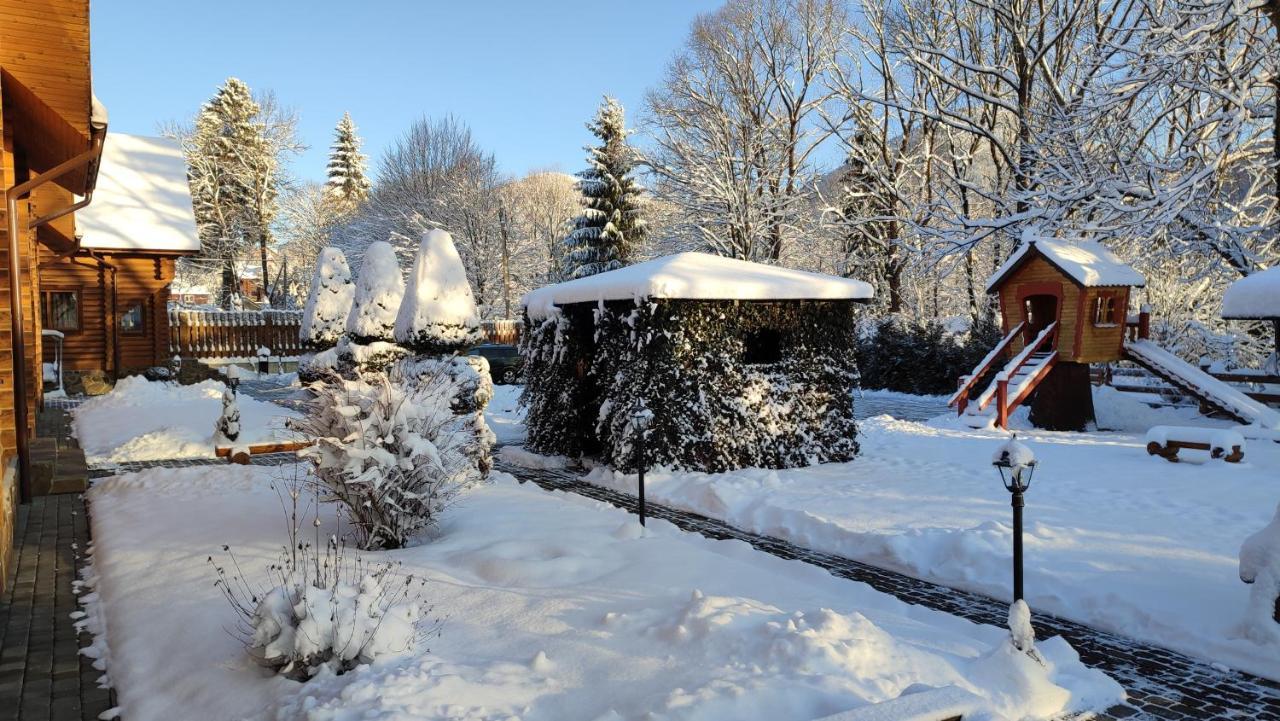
{"x": 1016, "y": 464}
{"x": 641, "y": 417}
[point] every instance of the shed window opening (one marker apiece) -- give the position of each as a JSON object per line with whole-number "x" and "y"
{"x": 132, "y": 320}
{"x": 761, "y": 347}
{"x": 1104, "y": 310}
{"x": 61, "y": 310}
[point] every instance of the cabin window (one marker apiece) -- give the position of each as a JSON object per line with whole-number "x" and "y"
{"x": 1104, "y": 310}
{"x": 61, "y": 310}
{"x": 762, "y": 346}
{"x": 133, "y": 319}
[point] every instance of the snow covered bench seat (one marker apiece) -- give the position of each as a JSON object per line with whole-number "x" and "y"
{"x": 241, "y": 454}
{"x": 948, "y": 703}
{"x": 1166, "y": 441}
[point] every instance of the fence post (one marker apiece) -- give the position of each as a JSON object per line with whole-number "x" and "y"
{"x": 1002, "y": 402}
{"x": 1144, "y": 322}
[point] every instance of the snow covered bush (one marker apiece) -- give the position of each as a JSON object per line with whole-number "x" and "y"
{"x": 392, "y": 452}
{"x": 760, "y": 384}
{"x": 227, "y": 428}
{"x": 329, "y": 302}
{"x": 369, "y": 345}
{"x": 463, "y": 385}
{"x": 438, "y": 314}
{"x": 323, "y": 610}
{"x": 1260, "y": 567}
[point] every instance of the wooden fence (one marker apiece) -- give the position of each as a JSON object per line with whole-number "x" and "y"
{"x": 239, "y": 334}
{"x": 234, "y": 333}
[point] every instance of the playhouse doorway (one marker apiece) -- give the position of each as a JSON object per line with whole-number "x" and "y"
{"x": 1039, "y": 311}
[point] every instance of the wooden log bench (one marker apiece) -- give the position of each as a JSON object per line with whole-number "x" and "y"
{"x": 241, "y": 454}
{"x": 1166, "y": 441}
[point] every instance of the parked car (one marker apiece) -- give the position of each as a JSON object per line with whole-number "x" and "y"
{"x": 504, "y": 361}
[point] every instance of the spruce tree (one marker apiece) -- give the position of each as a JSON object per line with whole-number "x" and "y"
{"x": 347, "y": 181}
{"x": 610, "y": 227}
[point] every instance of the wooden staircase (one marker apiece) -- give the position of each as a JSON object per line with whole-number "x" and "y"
{"x": 1012, "y": 385}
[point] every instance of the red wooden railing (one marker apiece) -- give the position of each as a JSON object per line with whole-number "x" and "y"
{"x": 961, "y": 397}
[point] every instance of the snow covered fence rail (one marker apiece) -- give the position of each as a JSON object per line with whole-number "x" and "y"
{"x": 234, "y": 333}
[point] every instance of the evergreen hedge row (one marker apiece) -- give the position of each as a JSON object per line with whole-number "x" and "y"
{"x": 920, "y": 357}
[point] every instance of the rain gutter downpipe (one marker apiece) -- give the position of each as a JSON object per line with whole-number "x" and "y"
{"x": 88, "y": 158}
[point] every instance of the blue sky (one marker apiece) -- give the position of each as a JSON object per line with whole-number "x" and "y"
{"x": 524, "y": 75}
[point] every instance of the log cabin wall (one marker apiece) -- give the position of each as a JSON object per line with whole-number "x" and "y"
{"x": 1037, "y": 276}
{"x": 44, "y": 45}
{"x": 141, "y": 279}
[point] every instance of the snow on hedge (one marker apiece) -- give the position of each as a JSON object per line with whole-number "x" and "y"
{"x": 1254, "y": 296}
{"x": 696, "y": 276}
{"x": 1088, "y": 262}
{"x": 555, "y": 606}
{"x": 438, "y": 314}
{"x": 379, "y": 290}
{"x": 141, "y": 420}
{"x": 329, "y": 302}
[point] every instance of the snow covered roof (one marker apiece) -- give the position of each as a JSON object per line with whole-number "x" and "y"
{"x": 1087, "y": 262}
{"x": 142, "y": 200}
{"x": 1254, "y": 296}
{"x": 697, "y": 276}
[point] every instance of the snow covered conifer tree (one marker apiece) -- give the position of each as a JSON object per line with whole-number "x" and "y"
{"x": 329, "y": 302}
{"x": 227, "y": 428}
{"x": 378, "y": 292}
{"x": 438, "y": 315}
{"x": 369, "y": 345}
{"x": 610, "y": 227}
{"x": 347, "y": 181}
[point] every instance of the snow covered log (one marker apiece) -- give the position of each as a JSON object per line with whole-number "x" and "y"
{"x": 438, "y": 314}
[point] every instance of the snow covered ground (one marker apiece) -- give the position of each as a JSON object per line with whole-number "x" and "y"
{"x": 141, "y": 420}
{"x": 504, "y": 415}
{"x": 1115, "y": 538}
{"x": 556, "y": 606}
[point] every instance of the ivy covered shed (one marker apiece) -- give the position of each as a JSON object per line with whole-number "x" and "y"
{"x": 740, "y": 364}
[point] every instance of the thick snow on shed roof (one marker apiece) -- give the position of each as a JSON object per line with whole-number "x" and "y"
{"x": 1087, "y": 262}
{"x": 697, "y": 276}
{"x": 142, "y": 200}
{"x": 1254, "y": 296}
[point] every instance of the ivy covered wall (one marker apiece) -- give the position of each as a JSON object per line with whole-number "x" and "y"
{"x": 730, "y": 384}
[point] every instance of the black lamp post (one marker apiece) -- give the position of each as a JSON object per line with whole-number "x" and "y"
{"x": 1016, "y": 464}
{"x": 641, "y": 417}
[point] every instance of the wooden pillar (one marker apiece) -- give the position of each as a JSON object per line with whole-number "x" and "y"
{"x": 1002, "y": 402}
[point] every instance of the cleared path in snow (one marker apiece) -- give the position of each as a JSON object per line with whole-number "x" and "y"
{"x": 1162, "y": 684}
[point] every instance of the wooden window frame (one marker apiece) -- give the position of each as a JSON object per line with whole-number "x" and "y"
{"x": 78, "y": 292}
{"x": 128, "y": 305}
{"x": 1113, "y": 299}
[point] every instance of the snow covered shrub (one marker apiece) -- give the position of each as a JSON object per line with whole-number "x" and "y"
{"x": 463, "y": 386}
{"x": 392, "y": 452}
{"x": 1260, "y": 567}
{"x": 903, "y": 354}
{"x": 369, "y": 344}
{"x": 438, "y": 314}
{"x": 323, "y": 610}
{"x": 763, "y": 384}
{"x": 227, "y": 428}
{"x": 329, "y": 302}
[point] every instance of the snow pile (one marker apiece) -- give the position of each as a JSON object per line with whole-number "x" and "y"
{"x": 329, "y": 301}
{"x": 557, "y": 607}
{"x": 1260, "y": 566}
{"x": 517, "y": 456}
{"x": 1255, "y": 296}
{"x": 378, "y": 292}
{"x": 302, "y": 630}
{"x": 438, "y": 314}
{"x": 141, "y": 420}
{"x": 698, "y": 276}
{"x": 1087, "y": 262}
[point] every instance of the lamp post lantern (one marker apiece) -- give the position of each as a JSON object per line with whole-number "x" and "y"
{"x": 1016, "y": 464}
{"x": 641, "y": 417}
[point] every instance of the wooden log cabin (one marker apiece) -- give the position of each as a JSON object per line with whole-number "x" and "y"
{"x": 51, "y": 134}
{"x": 109, "y": 299}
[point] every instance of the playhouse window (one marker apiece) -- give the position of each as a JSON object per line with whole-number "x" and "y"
{"x": 1104, "y": 310}
{"x": 61, "y": 310}
{"x": 762, "y": 346}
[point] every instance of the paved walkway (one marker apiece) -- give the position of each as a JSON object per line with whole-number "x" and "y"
{"x": 1163, "y": 685}
{"x": 42, "y": 674}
